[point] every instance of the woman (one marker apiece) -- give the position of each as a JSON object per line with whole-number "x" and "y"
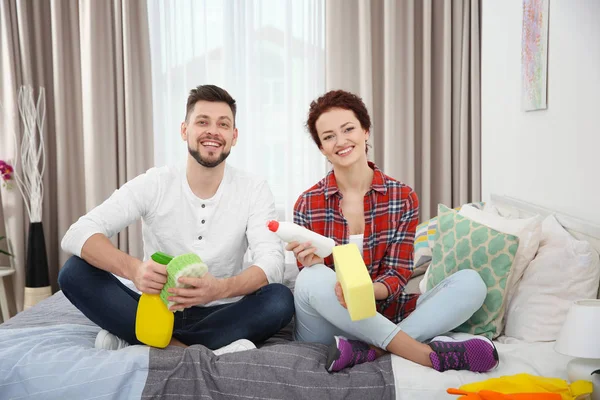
{"x": 357, "y": 203}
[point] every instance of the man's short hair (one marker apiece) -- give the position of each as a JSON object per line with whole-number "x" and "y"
{"x": 210, "y": 93}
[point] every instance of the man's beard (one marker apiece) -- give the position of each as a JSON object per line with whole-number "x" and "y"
{"x": 207, "y": 163}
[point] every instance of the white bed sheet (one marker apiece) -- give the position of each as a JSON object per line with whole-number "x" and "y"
{"x": 414, "y": 381}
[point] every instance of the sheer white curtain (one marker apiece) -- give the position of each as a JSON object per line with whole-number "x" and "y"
{"x": 269, "y": 55}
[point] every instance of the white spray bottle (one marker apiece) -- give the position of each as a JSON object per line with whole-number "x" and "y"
{"x": 291, "y": 232}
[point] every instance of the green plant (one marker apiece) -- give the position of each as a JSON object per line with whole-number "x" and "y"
{"x": 2, "y": 251}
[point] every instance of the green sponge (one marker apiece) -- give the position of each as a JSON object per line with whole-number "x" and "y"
{"x": 188, "y": 265}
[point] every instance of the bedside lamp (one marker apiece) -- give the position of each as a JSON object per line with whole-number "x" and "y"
{"x": 580, "y": 338}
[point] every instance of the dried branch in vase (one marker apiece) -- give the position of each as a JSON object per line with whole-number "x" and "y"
{"x": 30, "y": 166}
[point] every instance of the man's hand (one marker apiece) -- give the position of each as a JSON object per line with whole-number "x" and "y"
{"x": 202, "y": 291}
{"x": 304, "y": 253}
{"x": 150, "y": 277}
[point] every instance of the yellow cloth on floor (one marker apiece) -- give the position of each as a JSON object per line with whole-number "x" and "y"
{"x": 525, "y": 383}
{"x": 491, "y": 395}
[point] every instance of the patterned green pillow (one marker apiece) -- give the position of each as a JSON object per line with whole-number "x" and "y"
{"x": 465, "y": 244}
{"x": 425, "y": 237}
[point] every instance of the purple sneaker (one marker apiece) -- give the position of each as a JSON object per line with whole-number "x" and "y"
{"x": 476, "y": 354}
{"x": 346, "y": 353}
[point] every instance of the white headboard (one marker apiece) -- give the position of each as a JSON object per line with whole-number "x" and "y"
{"x": 583, "y": 230}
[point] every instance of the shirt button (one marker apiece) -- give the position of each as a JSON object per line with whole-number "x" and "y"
{"x": 199, "y": 237}
{"x": 203, "y": 205}
{"x": 203, "y": 221}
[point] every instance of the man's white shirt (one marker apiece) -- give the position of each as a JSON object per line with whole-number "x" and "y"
{"x": 175, "y": 221}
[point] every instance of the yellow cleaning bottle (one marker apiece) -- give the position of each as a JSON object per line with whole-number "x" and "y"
{"x": 153, "y": 320}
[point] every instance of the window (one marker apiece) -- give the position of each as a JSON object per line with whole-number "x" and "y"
{"x": 269, "y": 55}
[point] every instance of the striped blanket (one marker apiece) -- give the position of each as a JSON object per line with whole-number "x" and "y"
{"x": 47, "y": 352}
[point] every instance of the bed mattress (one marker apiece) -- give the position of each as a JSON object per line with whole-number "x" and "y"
{"x": 413, "y": 381}
{"x": 47, "y": 352}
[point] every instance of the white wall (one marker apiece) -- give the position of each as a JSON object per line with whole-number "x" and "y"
{"x": 549, "y": 157}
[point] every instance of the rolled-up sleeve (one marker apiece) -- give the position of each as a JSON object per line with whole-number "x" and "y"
{"x": 397, "y": 264}
{"x": 265, "y": 246}
{"x": 124, "y": 207}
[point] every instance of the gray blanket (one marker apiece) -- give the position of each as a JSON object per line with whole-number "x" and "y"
{"x": 279, "y": 369}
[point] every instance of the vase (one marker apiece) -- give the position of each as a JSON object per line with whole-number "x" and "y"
{"x": 37, "y": 278}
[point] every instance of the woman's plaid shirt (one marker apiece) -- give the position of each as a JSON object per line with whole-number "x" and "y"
{"x": 391, "y": 216}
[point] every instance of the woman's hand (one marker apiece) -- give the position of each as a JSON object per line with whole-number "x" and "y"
{"x": 304, "y": 253}
{"x": 379, "y": 288}
{"x": 340, "y": 294}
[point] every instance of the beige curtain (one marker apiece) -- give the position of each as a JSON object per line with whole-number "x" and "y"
{"x": 416, "y": 64}
{"x": 93, "y": 59}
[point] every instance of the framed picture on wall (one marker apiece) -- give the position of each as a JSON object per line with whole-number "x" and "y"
{"x": 534, "y": 55}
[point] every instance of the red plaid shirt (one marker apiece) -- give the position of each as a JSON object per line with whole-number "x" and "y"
{"x": 391, "y": 217}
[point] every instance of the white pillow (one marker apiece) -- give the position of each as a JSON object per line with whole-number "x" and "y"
{"x": 528, "y": 230}
{"x": 503, "y": 211}
{"x": 564, "y": 270}
{"x": 423, "y": 283}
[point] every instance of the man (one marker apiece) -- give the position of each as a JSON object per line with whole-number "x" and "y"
{"x": 205, "y": 207}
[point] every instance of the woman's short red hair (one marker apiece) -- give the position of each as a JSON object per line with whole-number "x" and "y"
{"x": 336, "y": 99}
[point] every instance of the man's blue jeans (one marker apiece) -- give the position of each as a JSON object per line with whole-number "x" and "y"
{"x": 107, "y": 302}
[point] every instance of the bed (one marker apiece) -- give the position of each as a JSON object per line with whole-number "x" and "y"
{"x": 413, "y": 381}
{"x": 47, "y": 352}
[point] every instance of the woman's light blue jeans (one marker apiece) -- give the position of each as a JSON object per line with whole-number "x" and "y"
{"x": 320, "y": 316}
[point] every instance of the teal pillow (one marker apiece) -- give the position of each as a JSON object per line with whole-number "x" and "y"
{"x": 460, "y": 244}
{"x": 425, "y": 237}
